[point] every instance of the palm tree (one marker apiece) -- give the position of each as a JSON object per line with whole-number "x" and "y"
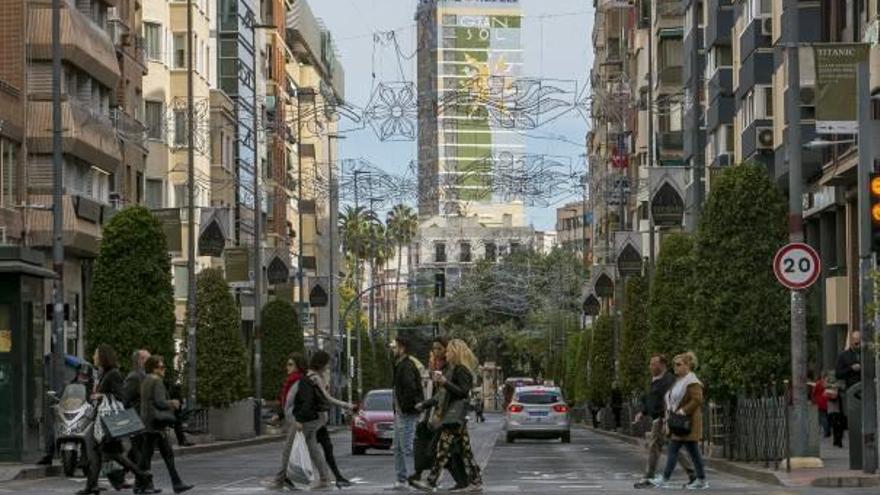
{"x": 402, "y": 226}
{"x": 354, "y": 232}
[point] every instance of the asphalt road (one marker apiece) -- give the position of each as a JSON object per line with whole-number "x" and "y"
{"x": 590, "y": 464}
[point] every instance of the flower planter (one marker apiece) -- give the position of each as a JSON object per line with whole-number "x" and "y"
{"x": 235, "y": 422}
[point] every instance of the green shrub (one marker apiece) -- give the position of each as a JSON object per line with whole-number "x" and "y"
{"x": 282, "y": 334}
{"x": 222, "y": 368}
{"x": 740, "y": 326}
{"x": 633, "y": 341}
{"x": 602, "y": 363}
{"x": 671, "y": 295}
{"x": 131, "y": 304}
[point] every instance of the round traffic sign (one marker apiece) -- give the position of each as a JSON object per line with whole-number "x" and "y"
{"x": 797, "y": 266}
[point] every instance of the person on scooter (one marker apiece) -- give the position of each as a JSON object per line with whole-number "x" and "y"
{"x": 110, "y": 385}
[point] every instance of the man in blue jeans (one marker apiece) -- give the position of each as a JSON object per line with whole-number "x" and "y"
{"x": 408, "y": 392}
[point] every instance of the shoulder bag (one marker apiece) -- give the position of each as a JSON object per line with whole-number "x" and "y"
{"x": 679, "y": 424}
{"x": 120, "y": 422}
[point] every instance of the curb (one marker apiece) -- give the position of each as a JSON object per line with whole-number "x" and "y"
{"x": 716, "y": 464}
{"x": 768, "y": 478}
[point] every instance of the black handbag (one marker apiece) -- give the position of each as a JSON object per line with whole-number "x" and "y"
{"x": 122, "y": 424}
{"x": 679, "y": 424}
{"x": 163, "y": 418}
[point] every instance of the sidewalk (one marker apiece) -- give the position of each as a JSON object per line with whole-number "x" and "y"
{"x": 835, "y": 473}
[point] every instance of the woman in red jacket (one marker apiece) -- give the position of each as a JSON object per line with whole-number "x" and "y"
{"x": 296, "y": 367}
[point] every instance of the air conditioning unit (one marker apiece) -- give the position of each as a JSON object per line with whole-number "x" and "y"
{"x": 765, "y": 138}
{"x": 767, "y": 26}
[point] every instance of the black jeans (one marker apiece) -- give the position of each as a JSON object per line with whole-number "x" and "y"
{"x": 672, "y": 458}
{"x": 151, "y": 440}
{"x": 110, "y": 450}
{"x": 323, "y": 437}
{"x": 838, "y": 425}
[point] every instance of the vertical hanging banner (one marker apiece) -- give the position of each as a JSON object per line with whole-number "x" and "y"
{"x": 836, "y": 66}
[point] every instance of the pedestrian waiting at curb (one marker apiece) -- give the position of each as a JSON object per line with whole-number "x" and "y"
{"x": 653, "y": 407}
{"x": 408, "y": 393}
{"x": 450, "y": 418}
{"x": 684, "y": 421}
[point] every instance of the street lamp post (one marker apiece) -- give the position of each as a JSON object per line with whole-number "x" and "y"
{"x": 190, "y": 214}
{"x": 258, "y": 231}
{"x": 57, "y": 207}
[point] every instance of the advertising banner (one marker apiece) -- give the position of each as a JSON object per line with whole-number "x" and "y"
{"x": 836, "y": 69}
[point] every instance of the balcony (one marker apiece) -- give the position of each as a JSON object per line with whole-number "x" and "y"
{"x": 671, "y": 141}
{"x": 128, "y": 128}
{"x": 83, "y": 43}
{"x": 83, "y": 218}
{"x": 87, "y": 135}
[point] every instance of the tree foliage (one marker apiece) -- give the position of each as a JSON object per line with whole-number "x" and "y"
{"x": 282, "y": 334}
{"x": 633, "y": 337}
{"x": 602, "y": 362}
{"x": 131, "y": 304}
{"x": 671, "y": 295}
{"x": 222, "y": 366}
{"x": 740, "y": 325}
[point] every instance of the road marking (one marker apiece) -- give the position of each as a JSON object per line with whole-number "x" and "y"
{"x": 233, "y": 483}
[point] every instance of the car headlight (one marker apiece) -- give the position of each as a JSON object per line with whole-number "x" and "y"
{"x": 359, "y": 422}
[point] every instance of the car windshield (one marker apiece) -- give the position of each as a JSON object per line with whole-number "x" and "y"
{"x": 378, "y": 402}
{"x": 539, "y": 398}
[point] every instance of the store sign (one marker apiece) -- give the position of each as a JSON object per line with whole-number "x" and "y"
{"x": 277, "y": 272}
{"x": 212, "y": 241}
{"x": 837, "y": 87}
{"x": 237, "y": 264}
{"x": 170, "y": 220}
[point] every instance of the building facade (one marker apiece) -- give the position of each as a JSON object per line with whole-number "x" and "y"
{"x": 468, "y": 53}
{"x": 573, "y": 232}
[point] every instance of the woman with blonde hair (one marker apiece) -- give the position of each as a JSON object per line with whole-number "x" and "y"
{"x": 684, "y": 421}
{"x": 450, "y": 415}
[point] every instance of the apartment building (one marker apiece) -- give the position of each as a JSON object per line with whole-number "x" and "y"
{"x": 573, "y": 231}
{"x": 318, "y": 82}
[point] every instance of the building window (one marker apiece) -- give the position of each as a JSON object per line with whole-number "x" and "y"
{"x": 153, "y": 40}
{"x": 180, "y": 128}
{"x": 154, "y": 193}
{"x": 180, "y": 196}
{"x": 179, "y": 51}
{"x": 440, "y": 252}
{"x": 491, "y": 252}
{"x": 8, "y": 159}
{"x": 671, "y": 53}
{"x": 757, "y": 9}
{"x": 757, "y": 105}
{"x": 718, "y": 57}
{"x": 180, "y": 278}
{"x": 153, "y": 113}
{"x": 464, "y": 252}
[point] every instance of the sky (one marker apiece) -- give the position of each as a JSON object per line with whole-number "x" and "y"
{"x": 555, "y": 37}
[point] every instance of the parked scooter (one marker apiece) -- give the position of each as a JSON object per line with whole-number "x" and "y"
{"x": 74, "y": 422}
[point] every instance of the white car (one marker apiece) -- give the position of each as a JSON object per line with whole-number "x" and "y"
{"x": 537, "y": 412}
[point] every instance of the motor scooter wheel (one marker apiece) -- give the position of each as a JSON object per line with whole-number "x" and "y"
{"x": 69, "y": 462}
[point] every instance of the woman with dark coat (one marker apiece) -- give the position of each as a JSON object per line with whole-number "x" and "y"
{"x": 450, "y": 415}
{"x": 157, "y": 413}
{"x": 110, "y": 385}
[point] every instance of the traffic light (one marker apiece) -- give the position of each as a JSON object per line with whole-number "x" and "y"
{"x": 874, "y": 189}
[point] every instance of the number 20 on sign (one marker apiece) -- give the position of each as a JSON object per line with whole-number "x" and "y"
{"x": 797, "y": 266}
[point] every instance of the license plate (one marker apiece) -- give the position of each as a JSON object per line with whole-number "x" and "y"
{"x": 538, "y": 413}
{"x": 386, "y": 434}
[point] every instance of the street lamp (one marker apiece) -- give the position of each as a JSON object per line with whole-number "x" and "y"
{"x": 332, "y": 222}
{"x": 820, "y": 143}
{"x": 258, "y": 229}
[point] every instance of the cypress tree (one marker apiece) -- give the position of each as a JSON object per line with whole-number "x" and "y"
{"x": 131, "y": 304}
{"x": 633, "y": 341}
{"x": 671, "y": 295}
{"x": 282, "y": 334}
{"x": 740, "y": 326}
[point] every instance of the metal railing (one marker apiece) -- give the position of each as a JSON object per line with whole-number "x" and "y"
{"x": 753, "y": 427}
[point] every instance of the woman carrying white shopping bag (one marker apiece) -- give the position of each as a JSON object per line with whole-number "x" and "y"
{"x": 299, "y": 469}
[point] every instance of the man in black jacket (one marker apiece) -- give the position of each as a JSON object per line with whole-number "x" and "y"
{"x": 408, "y": 392}
{"x": 132, "y": 399}
{"x": 654, "y": 407}
{"x": 849, "y": 367}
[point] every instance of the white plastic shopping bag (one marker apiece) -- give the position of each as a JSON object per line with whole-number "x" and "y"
{"x": 299, "y": 468}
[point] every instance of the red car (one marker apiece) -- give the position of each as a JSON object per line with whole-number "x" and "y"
{"x": 373, "y": 426}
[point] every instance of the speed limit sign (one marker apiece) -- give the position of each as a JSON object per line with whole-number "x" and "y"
{"x": 797, "y": 266}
